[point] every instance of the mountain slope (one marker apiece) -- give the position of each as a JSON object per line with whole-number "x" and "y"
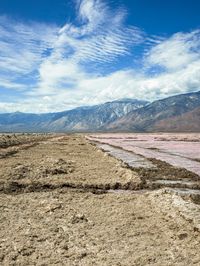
{"x": 95, "y": 117}
{"x": 147, "y": 117}
{"x": 187, "y": 122}
{"x": 79, "y": 119}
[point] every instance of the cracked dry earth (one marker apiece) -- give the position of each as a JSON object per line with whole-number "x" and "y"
{"x": 65, "y": 202}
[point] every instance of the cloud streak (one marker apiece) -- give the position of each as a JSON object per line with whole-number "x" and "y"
{"x": 22, "y": 46}
{"x": 60, "y": 67}
{"x": 99, "y": 38}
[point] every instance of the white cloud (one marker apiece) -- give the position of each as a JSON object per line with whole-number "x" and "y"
{"x": 59, "y": 61}
{"x": 176, "y": 52}
{"x": 22, "y": 47}
{"x": 99, "y": 38}
{"x": 92, "y": 13}
{"x": 11, "y": 85}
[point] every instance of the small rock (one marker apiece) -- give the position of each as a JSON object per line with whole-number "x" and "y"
{"x": 182, "y": 236}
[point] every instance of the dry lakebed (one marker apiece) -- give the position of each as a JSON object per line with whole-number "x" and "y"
{"x": 100, "y": 199}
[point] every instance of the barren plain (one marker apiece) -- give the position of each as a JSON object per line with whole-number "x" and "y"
{"x": 68, "y": 200}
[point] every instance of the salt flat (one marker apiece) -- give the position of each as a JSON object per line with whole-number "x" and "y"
{"x": 64, "y": 201}
{"x": 179, "y": 150}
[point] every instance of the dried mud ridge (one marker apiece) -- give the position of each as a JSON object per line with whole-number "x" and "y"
{"x": 19, "y": 183}
{"x": 11, "y": 144}
{"x": 163, "y": 175}
{"x": 20, "y": 172}
{"x": 56, "y": 209}
{"x": 148, "y": 176}
{"x": 14, "y": 188}
{"x": 18, "y": 188}
{"x": 10, "y": 151}
{"x": 10, "y": 140}
{"x": 52, "y": 174}
{"x": 162, "y": 171}
{"x": 166, "y": 172}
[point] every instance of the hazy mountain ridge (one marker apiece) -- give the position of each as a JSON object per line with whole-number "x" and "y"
{"x": 175, "y": 113}
{"x": 148, "y": 117}
{"x": 89, "y": 118}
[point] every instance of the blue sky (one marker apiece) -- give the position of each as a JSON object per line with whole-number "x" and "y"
{"x": 56, "y": 55}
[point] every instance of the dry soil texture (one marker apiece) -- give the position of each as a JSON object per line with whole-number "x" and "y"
{"x": 65, "y": 202}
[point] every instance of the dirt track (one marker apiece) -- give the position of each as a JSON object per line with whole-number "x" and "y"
{"x": 55, "y": 209}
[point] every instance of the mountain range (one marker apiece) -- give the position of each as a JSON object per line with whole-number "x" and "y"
{"x": 81, "y": 119}
{"x": 180, "y": 113}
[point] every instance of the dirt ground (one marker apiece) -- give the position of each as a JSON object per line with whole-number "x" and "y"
{"x": 65, "y": 202}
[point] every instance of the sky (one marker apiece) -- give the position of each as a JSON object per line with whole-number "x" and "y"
{"x": 61, "y": 54}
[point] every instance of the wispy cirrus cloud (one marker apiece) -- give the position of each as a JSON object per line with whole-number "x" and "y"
{"x": 60, "y": 67}
{"x": 22, "y": 49}
{"x": 23, "y": 45}
{"x": 99, "y": 37}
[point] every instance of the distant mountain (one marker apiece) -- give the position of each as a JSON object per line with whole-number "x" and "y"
{"x": 174, "y": 114}
{"x": 91, "y": 118}
{"x": 170, "y": 114}
{"x": 187, "y": 122}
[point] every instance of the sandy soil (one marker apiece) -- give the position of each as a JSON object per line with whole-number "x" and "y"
{"x": 56, "y": 208}
{"x": 64, "y": 161}
{"x": 8, "y": 140}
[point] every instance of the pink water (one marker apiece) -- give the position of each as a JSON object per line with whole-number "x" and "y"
{"x": 179, "y": 150}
